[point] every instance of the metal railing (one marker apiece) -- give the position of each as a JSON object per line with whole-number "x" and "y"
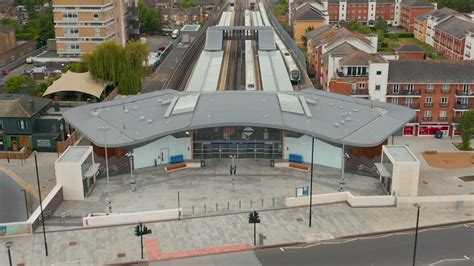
{"x": 464, "y": 93}
{"x": 462, "y": 106}
{"x": 403, "y": 92}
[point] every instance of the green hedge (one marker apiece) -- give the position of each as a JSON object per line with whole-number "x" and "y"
{"x": 399, "y": 35}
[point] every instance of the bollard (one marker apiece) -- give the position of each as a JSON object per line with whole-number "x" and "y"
{"x": 193, "y": 209}
{"x": 217, "y": 207}
{"x": 262, "y": 203}
{"x": 240, "y": 204}
{"x": 273, "y": 203}
{"x": 204, "y": 207}
{"x": 8, "y": 158}
{"x": 227, "y": 205}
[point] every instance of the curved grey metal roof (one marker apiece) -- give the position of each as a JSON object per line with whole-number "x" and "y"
{"x": 137, "y": 120}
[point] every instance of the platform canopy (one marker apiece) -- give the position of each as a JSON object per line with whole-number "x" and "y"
{"x": 77, "y": 82}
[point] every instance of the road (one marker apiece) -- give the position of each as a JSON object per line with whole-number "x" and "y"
{"x": 442, "y": 247}
{"x": 12, "y": 202}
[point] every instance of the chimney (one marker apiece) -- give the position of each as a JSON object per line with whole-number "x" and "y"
{"x": 32, "y": 106}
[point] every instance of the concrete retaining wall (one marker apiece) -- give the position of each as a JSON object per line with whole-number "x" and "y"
{"x": 103, "y": 219}
{"x": 451, "y": 201}
{"x": 50, "y": 204}
{"x": 363, "y": 201}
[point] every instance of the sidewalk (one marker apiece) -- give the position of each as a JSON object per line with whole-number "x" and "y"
{"x": 209, "y": 234}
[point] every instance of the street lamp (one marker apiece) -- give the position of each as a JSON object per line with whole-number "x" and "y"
{"x": 346, "y": 116}
{"x": 104, "y": 130}
{"x": 26, "y": 203}
{"x": 41, "y": 205}
{"x": 8, "y": 245}
{"x": 311, "y": 182}
{"x": 132, "y": 180}
{"x": 416, "y": 231}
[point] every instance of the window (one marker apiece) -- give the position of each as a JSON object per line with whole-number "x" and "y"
{"x": 75, "y": 46}
{"x": 427, "y": 114}
{"x": 21, "y": 124}
{"x": 43, "y": 143}
{"x": 362, "y": 85}
{"x": 429, "y": 88}
{"x": 410, "y": 88}
{"x": 445, "y": 88}
{"x": 442, "y": 114}
{"x": 444, "y": 101}
{"x": 395, "y": 100}
{"x": 379, "y": 73}
{"x": 428, "y": 101}
{"x": 465, "y": 88}
{"x": 96, "y": 16}
{"x": 408, "y": 101}
{"x": 396, "y": 88}
{"x": 377, "y": 87}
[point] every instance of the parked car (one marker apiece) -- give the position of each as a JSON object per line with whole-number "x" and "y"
{"x": 175, "y": 34}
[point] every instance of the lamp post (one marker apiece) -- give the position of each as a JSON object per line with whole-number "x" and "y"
{"x": 26, "y": 203}
{"x": 346, "y": 117}
{"x": 104, "y": 130}
{"x": 416, "y": 231}
{"x": 311, "y": 182}
{"x": 41, "y": 206}
{"x": 132, "y": 180}
{"x": 8, "y": 245}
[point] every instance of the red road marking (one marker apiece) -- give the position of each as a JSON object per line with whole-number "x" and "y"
{"x": 152, "y": 248}
{"x": 204, "y": 251}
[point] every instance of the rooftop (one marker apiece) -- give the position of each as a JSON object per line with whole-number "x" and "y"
{"x": 137, "y": 120}
{"x": 361, "y": 58}
{"x": 429, "y": 71}
{"x": 400, "y": 153}
{"x": 74, "y": 154}
{"x": 456, "y": 26}
{"x": 309, "y": 11}
{"x": 327, "y": 34}
{"x": 417, "y": 3}
{"x": 410, "y": 48}
{"x": 17, "y": 105}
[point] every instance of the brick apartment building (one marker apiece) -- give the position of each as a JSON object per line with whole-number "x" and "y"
{"x": 395, "y": 12}
{"x": 454, "y": 37}
{"x": 346, "y": 63}
{"x": 10, "y": 49}
{"x": 410, "y": 9}
{"x": 307, "y": 15}
{"x": 440, "y": 92}
{"x": 424, "y": 25}
{"x": 80, "y": 26}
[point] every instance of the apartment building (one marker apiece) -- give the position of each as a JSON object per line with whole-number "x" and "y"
{"x": 454, "y": 37}
{"x": 80, "y": 26}
{"x": 424, "y": 24}
{"x": 328, "y": 45}
{"x": 307, "y": 15}
{"x": 440, "y": 91}
{"x": 410, "y": 9}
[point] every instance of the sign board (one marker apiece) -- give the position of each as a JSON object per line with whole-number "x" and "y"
{"x": 3, "y": 230}
{"x": 302, "y": 191}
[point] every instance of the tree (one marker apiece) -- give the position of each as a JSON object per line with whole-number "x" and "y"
{"x": 463, "y": 6}
{"x": 187, "y": 4}
{"x": 466, "y": 126}
{"x": 17, "y": 85}
{"x": 355, "y": 26}
{"x": 304, "y": 37}
{"x": 80, "y": 67}
{"x": 150, "y": 19}
{"x": 381, "y": 25}
{"x": 121, "y": 66}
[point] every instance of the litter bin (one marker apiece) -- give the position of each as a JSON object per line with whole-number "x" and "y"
{"x": 203, "y": 163}
{"x": 439, "y": 135}
{"x": 272, "y": 163}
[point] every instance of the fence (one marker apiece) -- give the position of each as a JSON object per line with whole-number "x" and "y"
{"x": 286, "y": 38}
{"x": 61, "y": 146}
{"x": 233, "y": 206}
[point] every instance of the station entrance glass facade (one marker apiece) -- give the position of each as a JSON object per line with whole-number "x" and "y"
{"x": 241, "y": 141}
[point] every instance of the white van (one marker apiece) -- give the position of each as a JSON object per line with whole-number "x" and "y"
{"x": 175, "y": 34}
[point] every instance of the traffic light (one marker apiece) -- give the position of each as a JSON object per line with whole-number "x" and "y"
{"x": 146, "y": 231}
{"x": 254, "y": 218}
{"x": 137, "y": 230}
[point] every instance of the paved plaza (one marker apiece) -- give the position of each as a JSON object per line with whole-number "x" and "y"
{"x": 119, "y": 244}
{"x": 255, "y": 186}
{"x": 437, "y": 181}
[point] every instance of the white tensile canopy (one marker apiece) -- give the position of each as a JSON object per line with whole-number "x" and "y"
{"x": 78, "y": 82}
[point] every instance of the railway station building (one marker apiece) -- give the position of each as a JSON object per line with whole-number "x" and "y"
{"x": 247, "y": 124}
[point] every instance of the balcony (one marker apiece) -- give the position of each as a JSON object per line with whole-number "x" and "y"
{"x": 445, "y": 91}
{"x": 442, "y": 118}
{"x": 429, "y": 90}
{"x": 428, "y": 104}
{"x": 463, "y": 93}
{"x": 427, "y": 118}
{"x": 363, "y": 92}
{"x": 456, "y": 119}
{"x": 463, "y": 106}
{"x": 443, "y": 104}
{"x": 404, "y": 92}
